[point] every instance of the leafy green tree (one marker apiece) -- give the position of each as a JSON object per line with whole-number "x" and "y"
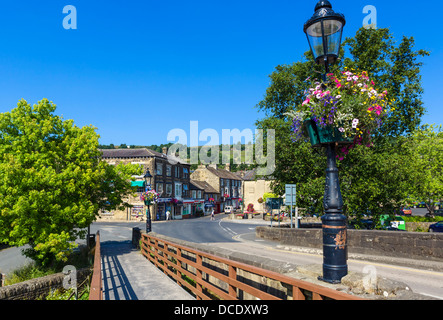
{"x": 374, "y": 179}
{"x": 394, "y": 68}
{"x": 53, "y": 181}
{"x": 426, "y": 149}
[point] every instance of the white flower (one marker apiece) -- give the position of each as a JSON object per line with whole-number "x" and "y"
{"x": 355, "y": 123}
{"x": 338, "y": 97}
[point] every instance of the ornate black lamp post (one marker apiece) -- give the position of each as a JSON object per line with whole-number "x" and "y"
{"x": 324, "y": 32}
{"x": 147, "y": 202}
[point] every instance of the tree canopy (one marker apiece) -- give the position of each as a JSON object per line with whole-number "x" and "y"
{"x": 53, "y": 180}
{"x": 372, "y": 179}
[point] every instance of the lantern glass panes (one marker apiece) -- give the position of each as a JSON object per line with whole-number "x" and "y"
{"x": 324, "y": 32}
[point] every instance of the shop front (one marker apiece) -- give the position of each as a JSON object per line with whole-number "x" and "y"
{"x": 175, "y": 208}
{"x": 187, "y": 208}
{"x": 208, "y": 206}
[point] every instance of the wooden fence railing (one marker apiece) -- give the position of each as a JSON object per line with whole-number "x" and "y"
{"x": 96, "y": 292}
{"x": 210, "y": 277}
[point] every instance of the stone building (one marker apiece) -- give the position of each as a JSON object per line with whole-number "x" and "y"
{"x": 209, "y": 195}
{"x": 228, "y": 184}
{"x": 254, "y": 187}
{"x": 171, "y": 179}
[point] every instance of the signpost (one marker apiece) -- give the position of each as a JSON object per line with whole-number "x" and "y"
{"x": 291, "y": 195}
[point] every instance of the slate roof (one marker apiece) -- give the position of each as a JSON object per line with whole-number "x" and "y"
{"x": 203, "y": 185}
{"x": 225, "y": 174}
{"x": 251, "y": 175}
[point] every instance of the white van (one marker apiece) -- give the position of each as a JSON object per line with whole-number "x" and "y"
{"x": 229, "y": 209}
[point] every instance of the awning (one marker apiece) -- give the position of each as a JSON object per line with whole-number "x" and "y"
{"x": 139, "y": 184}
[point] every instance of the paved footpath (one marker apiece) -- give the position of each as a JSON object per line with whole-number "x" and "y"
{"x": 128, "y": 275}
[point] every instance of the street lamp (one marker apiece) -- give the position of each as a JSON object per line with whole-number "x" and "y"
{"x": 148, "y": 187}
{"x": 324, "y": 31}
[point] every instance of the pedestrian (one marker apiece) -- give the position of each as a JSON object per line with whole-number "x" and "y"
{"x": 212, "y": 214}
{"x": 167, "y": 215}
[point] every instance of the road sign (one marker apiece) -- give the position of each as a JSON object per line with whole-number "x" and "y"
{"x": 291, "y": 193}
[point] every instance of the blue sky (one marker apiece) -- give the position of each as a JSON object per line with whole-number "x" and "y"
{"x": 137, "y": 69}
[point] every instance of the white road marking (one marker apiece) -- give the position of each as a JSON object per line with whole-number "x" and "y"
{"x": 227, "y": 229}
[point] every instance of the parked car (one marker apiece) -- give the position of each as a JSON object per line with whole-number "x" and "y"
{"x": 438, "y": 212}
{"x": 406, "y": 211}
{"x": 436, "y": 227}
{"x": 229, "y": 209}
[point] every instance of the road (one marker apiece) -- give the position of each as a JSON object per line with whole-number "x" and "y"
{"x": 241, "y": 238}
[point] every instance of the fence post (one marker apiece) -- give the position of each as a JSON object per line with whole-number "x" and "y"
{"x": 233, "y": 276}
{"x": 198, "y": 274}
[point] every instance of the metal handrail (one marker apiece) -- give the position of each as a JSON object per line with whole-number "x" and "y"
{"x": 173, "y": 259}
{"x": 96, "y": 292}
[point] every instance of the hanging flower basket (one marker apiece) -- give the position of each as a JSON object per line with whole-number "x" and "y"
{"x": 344, "y": 110}
{"x": 149, "y": 197}
{"x": 323, "y": 135}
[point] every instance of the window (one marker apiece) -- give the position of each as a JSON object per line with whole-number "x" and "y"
{"x": 194, "y": 194}
{"x": 199, "y": 194}
{"x": 169, "y": 189}
{"x": 159, "y": 187}
{"x": 185, "y": 173}
{"x": 221, "y": 182}
{"x": 168, "y": 170}
{"x": 178, "y": 190}
{"x": 177, "y": 172}
{"x": 159, "y": 169}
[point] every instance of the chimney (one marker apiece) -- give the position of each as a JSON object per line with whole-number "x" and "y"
{"x": 213, "y": 166}
{"x": 228, "y": 167}
{"x": 165, "y": 150}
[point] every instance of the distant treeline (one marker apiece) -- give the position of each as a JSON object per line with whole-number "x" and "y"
{"x": 159, "y": 148}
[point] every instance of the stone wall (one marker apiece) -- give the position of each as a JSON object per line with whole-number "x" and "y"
{"x": 40, "y": 287}
{"x": 414, "y": 245}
